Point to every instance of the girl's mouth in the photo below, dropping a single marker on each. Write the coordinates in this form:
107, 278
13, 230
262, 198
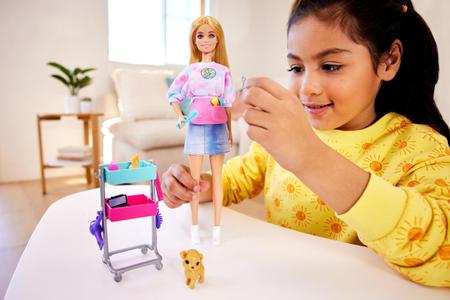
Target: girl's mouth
316, 109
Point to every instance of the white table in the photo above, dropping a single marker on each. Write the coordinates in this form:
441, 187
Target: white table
256, 260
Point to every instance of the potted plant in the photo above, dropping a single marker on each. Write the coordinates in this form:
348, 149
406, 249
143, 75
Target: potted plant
86, 105
75, 80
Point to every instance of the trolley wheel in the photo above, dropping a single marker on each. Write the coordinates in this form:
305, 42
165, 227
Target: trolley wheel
159, 266
117, 277
144, 250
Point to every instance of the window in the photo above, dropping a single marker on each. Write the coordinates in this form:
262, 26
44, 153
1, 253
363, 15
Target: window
151, 32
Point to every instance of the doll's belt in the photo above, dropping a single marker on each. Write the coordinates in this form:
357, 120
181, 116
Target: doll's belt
220, 101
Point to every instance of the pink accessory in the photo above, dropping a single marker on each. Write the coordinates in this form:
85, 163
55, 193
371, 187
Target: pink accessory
207, 112
113, 166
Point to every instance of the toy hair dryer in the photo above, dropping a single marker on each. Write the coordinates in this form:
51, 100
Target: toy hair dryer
96, 229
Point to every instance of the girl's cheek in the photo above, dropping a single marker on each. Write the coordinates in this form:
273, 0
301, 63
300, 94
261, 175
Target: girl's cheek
294, 85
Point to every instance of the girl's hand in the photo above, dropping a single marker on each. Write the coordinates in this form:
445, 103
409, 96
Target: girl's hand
278, 122
179, 186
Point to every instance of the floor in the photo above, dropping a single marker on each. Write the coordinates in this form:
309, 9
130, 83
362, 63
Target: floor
22, 205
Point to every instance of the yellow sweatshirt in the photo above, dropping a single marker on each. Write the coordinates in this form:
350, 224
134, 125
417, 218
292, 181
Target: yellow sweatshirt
403, 213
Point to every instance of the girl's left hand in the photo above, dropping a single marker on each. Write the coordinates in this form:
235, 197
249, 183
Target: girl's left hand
278, 122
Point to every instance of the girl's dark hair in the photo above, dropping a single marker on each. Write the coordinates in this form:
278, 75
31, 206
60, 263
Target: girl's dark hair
376, 24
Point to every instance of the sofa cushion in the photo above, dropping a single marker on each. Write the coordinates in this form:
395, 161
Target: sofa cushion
149, 134
153, 134
142, 94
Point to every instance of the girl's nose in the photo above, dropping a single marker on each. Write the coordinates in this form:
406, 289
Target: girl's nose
309, 85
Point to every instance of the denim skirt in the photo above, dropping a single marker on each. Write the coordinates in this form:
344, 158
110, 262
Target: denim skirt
207, 139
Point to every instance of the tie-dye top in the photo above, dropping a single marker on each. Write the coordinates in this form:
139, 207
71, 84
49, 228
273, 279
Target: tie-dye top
403, 214
203, 79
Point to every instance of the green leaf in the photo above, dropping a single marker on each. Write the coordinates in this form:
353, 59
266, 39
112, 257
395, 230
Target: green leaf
62, 79
84, 82
62, 69
77, 71
87, 70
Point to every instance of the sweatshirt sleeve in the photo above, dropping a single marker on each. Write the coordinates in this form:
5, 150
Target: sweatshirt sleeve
409, 224
243, 176
228, 95
178, 89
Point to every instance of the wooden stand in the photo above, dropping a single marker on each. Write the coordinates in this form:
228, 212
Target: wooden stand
90, 125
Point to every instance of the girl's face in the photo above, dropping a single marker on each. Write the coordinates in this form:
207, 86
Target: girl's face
205, 39
332, 76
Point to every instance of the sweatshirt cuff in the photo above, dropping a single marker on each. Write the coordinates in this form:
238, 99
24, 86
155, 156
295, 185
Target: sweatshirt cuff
377, 211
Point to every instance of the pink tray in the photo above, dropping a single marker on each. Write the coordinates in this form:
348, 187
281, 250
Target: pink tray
138, 206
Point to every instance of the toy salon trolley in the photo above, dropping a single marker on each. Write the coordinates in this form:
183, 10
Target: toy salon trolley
138, 206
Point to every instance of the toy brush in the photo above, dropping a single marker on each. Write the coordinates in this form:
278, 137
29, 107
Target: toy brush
192, 115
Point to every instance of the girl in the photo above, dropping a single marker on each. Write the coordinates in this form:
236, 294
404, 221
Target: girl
207, 88
356, 149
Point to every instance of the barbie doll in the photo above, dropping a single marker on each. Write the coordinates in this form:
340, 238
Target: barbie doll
205, 86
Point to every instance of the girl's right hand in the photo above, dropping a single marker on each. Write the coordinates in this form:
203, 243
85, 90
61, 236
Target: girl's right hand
179, 186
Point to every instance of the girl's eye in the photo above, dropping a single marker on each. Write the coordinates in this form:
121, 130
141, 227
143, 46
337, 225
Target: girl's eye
331, 67
200, 36
211, 36
296, 69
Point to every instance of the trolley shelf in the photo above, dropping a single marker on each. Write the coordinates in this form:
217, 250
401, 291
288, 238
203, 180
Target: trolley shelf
146, 171
138, 206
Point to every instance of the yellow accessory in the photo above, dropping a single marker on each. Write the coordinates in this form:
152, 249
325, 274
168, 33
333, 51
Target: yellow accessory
134, 162
215, 101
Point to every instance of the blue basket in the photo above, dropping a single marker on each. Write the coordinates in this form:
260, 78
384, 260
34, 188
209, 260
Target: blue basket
146, 171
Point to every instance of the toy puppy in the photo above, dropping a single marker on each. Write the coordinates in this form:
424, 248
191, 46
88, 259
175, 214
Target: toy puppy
193, 267
134, 162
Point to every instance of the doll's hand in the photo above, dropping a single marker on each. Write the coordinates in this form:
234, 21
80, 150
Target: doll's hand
278, 122
181, 121
179, 186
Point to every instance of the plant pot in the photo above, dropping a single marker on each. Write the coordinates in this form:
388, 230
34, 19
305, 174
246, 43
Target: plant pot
86, 107
71, 104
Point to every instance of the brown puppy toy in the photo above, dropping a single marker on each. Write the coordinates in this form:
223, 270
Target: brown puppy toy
193, 267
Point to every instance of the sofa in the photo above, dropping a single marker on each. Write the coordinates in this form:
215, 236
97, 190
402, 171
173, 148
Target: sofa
146, 125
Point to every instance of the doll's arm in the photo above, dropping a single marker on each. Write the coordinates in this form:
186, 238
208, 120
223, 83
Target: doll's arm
230, 132
177, 109
178, 90
228, 93
177, 93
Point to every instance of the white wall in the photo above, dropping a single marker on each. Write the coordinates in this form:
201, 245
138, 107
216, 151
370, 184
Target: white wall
75, 33
436, 13
31, 34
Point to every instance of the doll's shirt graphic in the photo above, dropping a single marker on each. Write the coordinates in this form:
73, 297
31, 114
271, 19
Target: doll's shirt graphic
203, 80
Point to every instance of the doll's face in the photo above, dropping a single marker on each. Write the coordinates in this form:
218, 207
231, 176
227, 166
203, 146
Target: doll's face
206, 39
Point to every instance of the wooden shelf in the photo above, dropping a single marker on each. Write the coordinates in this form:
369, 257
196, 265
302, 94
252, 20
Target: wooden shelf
90, 131
68, 163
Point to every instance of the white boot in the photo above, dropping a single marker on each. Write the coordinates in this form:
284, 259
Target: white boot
195, 236
216, 235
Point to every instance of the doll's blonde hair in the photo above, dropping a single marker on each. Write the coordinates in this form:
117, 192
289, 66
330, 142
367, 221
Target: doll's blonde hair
220, 54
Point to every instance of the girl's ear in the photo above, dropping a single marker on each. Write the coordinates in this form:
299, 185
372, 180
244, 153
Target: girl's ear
390, 61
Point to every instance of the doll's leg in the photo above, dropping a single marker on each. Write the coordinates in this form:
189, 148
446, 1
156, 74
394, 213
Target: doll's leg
195, 163
216, 162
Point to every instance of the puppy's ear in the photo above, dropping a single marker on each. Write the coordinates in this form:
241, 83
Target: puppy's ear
183, 254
